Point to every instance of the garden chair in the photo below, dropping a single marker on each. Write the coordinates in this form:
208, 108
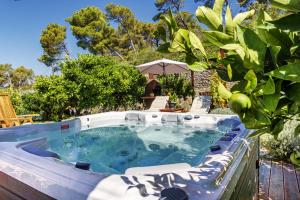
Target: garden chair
160, 102
201, 104
8, 117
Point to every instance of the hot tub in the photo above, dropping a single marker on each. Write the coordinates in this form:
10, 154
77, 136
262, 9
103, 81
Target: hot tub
131, 155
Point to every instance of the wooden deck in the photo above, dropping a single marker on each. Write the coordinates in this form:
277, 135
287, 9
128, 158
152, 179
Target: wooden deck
278, 181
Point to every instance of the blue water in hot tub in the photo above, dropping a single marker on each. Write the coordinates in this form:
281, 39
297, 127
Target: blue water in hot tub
117, 148
113, 149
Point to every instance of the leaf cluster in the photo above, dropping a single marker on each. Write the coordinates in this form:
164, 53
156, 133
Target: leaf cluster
19, 77
176, 84
53, 43
87, 82
263, 59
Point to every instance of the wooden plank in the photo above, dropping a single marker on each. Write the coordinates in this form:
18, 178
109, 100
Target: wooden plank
276, 190
264, 179
20, 189
7, 195
297, 170
291, 190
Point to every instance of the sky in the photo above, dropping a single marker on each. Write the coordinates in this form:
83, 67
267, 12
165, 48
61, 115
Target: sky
22, 21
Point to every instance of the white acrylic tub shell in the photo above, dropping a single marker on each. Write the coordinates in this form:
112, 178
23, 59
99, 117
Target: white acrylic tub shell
63, 181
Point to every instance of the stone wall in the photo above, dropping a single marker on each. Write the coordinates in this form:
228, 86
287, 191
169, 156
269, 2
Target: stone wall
202, 81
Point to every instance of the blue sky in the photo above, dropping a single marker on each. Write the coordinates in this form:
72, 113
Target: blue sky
22, 21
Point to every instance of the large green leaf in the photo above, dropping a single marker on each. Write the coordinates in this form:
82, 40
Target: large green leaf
256, 119
198, 66
290, 5
218, 38
167, 20
235, 47
262, 17
247, 85
272, 37
208, 17
271, 101
262, 118
251, 79
274, 51
269, 87
171, 23
255, 48
223, 92
239, 18
218, 8
181, 42
177, 45
185, 35
289, 72
287, 23
196, 43
229, 26
172, 20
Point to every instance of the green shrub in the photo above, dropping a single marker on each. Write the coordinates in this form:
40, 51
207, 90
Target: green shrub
52, 97
86, 83
104, 82
176, 85
286, 143
16, 99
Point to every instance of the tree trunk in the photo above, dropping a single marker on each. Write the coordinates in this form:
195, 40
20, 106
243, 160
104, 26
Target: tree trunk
130, 38
116, 52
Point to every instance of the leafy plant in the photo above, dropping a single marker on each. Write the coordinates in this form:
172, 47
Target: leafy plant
103, 81
263, 60
53, 43
16, 99
52, 96
217, 100
86, 83
286, 143
20, 77
177, 85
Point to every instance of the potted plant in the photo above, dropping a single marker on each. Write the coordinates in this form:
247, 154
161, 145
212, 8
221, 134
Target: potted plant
172, 100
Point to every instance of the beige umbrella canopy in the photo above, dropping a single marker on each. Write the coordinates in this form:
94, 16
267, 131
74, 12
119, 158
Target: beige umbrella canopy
163, 66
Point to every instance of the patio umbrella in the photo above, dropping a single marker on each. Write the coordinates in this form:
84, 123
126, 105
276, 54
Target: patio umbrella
163, 67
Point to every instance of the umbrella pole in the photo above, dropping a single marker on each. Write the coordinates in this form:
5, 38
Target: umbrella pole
164, 74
